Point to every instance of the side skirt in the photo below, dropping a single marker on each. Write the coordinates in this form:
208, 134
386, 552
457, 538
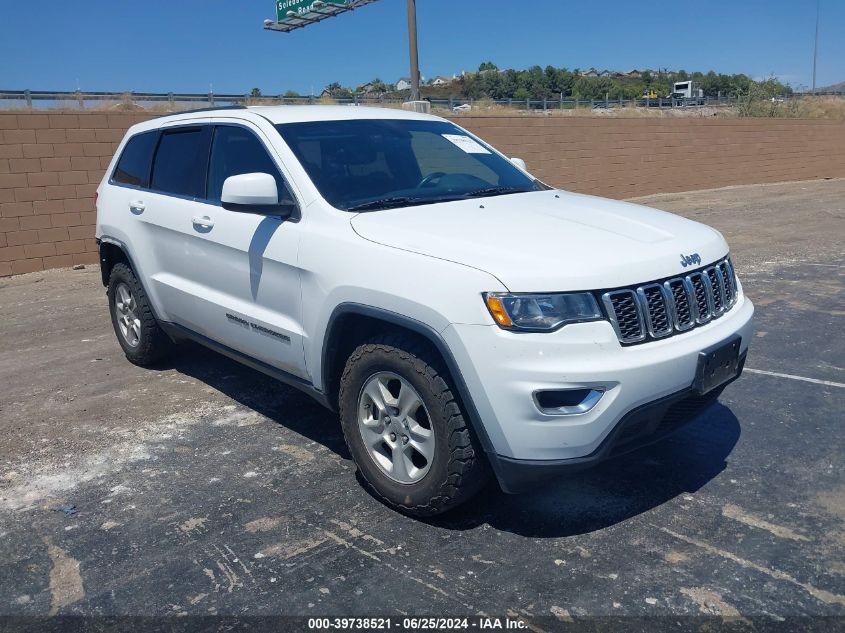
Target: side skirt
178, 332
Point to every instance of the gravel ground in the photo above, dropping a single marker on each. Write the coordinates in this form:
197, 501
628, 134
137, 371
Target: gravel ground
205, 488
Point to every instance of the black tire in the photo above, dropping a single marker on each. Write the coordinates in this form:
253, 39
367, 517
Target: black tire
153, 345
458, 469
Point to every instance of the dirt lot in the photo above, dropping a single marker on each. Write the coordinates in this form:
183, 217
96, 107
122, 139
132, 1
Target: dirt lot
206, 488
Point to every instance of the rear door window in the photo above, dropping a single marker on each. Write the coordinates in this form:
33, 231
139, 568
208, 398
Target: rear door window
133, 168
181, 162
234, 151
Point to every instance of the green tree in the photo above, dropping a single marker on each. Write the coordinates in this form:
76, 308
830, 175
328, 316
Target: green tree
490, 83
565, 79
536, 83
508, 84
255, 93
336, 91
470, 86
710, 84
550, 82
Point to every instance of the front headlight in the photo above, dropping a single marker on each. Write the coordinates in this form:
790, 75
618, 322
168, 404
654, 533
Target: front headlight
541, 312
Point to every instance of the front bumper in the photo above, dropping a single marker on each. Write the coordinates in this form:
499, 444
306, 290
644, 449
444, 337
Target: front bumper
640, 427
502, 370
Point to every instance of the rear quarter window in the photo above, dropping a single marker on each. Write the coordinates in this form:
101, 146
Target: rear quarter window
133, 167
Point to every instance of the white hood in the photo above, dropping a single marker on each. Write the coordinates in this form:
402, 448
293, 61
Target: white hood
548, 240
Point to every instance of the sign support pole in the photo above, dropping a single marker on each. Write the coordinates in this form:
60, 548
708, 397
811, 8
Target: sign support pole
412, 43
816, 46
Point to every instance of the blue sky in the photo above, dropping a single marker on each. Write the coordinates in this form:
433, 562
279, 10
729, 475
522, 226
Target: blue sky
185, 45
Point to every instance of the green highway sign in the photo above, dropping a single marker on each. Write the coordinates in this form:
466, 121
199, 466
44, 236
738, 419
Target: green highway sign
300, 8
296, 14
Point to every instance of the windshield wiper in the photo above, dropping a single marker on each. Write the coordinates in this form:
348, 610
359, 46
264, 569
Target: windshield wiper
382, 203
391, 202
492, 191
400, 201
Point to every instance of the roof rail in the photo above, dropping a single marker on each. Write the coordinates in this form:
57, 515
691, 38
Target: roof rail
231, 107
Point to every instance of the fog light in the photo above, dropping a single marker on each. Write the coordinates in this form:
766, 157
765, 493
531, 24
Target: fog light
567, 401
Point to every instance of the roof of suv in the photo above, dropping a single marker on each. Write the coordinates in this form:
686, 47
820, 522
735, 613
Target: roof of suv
303, 113
295, 114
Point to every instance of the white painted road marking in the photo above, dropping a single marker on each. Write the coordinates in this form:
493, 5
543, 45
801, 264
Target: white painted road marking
825, 265
816, 381
819, 594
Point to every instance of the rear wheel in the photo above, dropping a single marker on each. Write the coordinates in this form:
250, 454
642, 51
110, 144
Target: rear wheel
139, 334
405, 428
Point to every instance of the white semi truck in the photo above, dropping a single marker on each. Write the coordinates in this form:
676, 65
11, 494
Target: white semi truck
686, 93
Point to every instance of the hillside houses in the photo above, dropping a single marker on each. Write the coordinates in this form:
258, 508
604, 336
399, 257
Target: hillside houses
592, 72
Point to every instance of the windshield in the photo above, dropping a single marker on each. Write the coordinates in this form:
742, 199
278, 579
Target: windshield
370, 164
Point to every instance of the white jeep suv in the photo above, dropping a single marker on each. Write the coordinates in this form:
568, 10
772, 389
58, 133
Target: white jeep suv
463, 317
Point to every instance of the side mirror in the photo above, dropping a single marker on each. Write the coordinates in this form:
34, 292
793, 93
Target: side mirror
255, 193
520, 163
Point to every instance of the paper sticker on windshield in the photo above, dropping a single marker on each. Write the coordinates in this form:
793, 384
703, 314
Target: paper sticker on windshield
467, 144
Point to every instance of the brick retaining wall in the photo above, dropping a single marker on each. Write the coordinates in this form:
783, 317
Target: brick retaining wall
50, 165
623, 158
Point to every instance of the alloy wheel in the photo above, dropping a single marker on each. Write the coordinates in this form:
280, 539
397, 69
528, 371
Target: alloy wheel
126, 312
396, 428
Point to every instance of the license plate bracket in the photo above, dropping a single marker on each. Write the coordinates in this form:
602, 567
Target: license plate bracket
717, 365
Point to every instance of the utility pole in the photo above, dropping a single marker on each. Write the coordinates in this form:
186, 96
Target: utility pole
412, 42
816, 47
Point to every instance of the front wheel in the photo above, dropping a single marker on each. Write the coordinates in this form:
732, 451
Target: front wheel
405, 428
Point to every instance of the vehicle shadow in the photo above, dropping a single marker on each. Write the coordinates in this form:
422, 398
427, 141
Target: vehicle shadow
612, 492
281, 403
579, 503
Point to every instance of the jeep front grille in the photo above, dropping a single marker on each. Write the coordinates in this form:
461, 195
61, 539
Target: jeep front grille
626, 315
662, 308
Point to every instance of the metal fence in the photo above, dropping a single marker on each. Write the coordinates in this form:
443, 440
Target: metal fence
155, 101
